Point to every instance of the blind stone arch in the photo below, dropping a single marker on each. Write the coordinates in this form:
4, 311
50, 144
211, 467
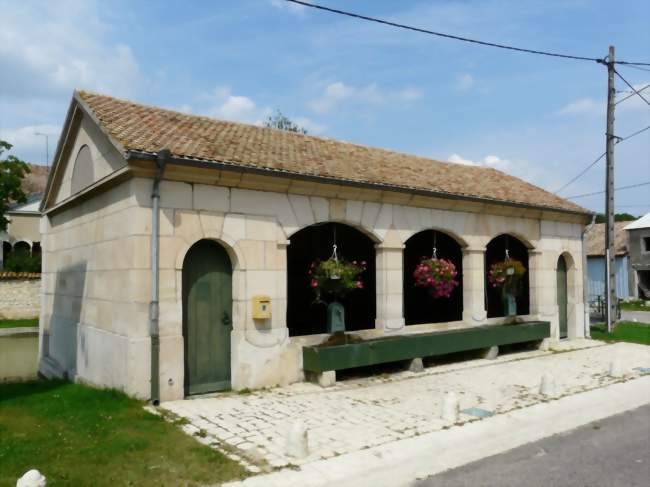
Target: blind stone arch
83, 173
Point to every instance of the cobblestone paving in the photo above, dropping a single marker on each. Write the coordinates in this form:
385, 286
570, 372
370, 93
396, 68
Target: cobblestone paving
362, 413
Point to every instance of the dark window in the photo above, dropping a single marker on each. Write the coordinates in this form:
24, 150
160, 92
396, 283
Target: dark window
646, 244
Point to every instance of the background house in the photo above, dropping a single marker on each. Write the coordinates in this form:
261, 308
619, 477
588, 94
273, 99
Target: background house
638, 244
595, 249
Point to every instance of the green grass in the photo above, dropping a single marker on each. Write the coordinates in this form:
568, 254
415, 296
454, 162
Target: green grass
77, 436
634, 306
625, 331
18, 323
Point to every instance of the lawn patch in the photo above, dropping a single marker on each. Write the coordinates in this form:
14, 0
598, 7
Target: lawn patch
625, 331
77, 435
637, 305
19, 323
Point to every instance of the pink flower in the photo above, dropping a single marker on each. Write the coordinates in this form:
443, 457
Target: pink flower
359, 285
314, 283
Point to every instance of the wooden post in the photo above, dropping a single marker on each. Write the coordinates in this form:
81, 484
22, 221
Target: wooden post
610, 278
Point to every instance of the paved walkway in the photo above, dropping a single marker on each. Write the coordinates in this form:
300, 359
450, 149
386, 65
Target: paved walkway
359, 414
640, 316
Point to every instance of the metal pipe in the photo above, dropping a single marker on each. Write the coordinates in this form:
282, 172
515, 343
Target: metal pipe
585, 279
154, 309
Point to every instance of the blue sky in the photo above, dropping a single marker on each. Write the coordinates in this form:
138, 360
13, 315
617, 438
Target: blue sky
538, 118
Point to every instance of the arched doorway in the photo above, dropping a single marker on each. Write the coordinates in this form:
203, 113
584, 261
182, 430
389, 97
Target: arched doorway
495, 251
419, 305
207, 317
305, 316
562, 296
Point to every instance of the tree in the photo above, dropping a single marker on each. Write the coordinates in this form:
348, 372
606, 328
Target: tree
280, 122
12, 172
618, 217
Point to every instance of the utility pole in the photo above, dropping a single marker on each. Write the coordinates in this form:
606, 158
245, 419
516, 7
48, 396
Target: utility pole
610, 252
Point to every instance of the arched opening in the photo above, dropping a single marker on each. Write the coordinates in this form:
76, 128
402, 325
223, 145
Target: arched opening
305, 316
420, 306
22, 248
6, 250
495, 251
207, 317
562, 296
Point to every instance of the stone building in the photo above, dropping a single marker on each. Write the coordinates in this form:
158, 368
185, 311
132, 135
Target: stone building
243, 210
638, 241
23, 231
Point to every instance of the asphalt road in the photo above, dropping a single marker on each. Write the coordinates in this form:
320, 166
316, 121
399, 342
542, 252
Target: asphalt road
614, 452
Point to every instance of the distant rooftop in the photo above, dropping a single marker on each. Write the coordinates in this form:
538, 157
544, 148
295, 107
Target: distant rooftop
643, 222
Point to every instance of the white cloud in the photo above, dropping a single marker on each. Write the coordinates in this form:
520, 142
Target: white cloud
583, 106
54, 47
32, 146
312, 127
294, 8
488, 161
338, 92
464, 82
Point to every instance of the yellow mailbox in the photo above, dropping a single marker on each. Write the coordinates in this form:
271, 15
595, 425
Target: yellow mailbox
261, 307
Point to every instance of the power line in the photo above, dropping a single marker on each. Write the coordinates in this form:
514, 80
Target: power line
647, 183
637, 67
600, 157
633, 93
455, 37
631, 87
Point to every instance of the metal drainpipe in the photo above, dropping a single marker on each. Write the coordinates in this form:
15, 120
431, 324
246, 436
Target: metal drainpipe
154, 310
585, 280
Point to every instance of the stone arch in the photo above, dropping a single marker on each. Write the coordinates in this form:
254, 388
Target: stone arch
229, 244
304, 315
83, 172
368, 232
574, 293
462, 243
419, 305
518, 236
22, 246
494, 252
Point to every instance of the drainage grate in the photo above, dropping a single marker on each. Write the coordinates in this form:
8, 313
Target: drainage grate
643, 370
478, 412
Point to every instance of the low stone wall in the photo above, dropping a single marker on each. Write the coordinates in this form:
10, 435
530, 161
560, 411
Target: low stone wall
18, 354
20, 296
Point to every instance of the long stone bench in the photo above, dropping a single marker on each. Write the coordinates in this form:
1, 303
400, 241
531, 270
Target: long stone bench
321, 359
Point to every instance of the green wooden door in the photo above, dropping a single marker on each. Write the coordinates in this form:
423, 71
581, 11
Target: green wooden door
207, 317
562, 295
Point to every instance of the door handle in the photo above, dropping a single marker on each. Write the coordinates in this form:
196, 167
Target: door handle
226, 319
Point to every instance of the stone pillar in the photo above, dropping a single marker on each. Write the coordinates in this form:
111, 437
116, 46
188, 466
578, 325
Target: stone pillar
474, 312
390, 278
542, 281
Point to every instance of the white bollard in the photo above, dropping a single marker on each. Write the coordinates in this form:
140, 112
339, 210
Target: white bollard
547, 386
33, 478
615, 368
297, 444
450, 408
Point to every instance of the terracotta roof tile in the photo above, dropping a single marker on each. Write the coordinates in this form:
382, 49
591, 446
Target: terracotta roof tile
595, 239
149, 129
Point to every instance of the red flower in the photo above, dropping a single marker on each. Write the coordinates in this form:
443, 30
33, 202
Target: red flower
314, 283
359, 285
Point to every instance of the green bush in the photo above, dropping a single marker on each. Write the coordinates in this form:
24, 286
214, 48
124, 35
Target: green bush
22, 262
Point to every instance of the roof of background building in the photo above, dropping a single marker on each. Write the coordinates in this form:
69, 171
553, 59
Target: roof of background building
595, 239
141, 128
643, 222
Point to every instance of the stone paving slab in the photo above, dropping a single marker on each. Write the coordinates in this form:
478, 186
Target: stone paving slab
363, 413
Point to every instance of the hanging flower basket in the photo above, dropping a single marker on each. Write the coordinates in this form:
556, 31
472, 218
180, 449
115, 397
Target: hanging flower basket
335, 278
438, 275
506, 274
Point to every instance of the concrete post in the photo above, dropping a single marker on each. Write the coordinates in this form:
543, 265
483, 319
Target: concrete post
390, 279
474, 312
543, 292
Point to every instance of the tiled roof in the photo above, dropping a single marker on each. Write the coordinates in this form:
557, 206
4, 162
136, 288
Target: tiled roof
149, 129
595, 239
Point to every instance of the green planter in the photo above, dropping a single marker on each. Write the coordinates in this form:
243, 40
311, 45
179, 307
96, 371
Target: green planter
404, 347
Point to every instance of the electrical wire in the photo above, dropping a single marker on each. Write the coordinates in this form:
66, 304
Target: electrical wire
633, 93
631, 87
455, 37
618, 141
647, 183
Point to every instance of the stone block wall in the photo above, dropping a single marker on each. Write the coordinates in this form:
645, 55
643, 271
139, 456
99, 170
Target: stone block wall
97, 272
19, 298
